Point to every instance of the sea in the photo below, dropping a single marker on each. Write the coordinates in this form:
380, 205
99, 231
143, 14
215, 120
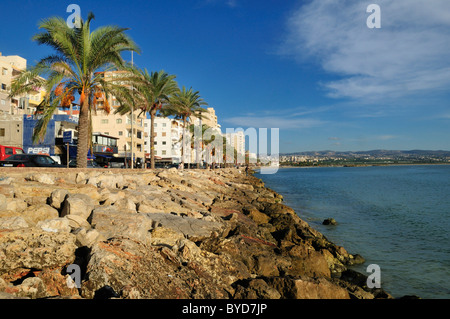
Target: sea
396, 217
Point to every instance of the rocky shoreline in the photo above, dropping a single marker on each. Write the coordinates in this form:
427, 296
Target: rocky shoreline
163, 234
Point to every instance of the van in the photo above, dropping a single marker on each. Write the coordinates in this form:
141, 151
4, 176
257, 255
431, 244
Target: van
7, 151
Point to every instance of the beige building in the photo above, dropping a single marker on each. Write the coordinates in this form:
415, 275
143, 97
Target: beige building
11, 130
11, 67
208, 118
120, 126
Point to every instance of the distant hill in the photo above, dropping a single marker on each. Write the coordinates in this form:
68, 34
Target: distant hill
373, 153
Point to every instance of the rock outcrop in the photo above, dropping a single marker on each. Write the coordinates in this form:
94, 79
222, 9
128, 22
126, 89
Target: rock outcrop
162, 234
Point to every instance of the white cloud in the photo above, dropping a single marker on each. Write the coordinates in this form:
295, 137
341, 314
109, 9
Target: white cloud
409, 55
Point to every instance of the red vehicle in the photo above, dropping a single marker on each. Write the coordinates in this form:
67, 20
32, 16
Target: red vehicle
7, 151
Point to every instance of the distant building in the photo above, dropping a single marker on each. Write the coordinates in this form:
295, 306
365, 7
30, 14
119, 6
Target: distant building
237, 140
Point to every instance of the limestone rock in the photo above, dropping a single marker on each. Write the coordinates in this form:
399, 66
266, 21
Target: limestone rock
88, 237
307, 288
57, 198
37, 213
13, 222
192, 228
55, 225
111, 223
2, 202
16, 205
33, 248
77, 221
77, 204
41, 178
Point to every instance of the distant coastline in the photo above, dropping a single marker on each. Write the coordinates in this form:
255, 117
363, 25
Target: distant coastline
364, 158
293, 165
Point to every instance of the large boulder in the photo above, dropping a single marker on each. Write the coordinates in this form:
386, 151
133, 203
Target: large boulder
111, 223
33, 214
307, 288
41, 178
34, 248
192, 228
13, 222
57, 197
133, 270
77, 204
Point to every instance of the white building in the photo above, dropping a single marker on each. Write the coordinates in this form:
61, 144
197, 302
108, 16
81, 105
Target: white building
237, 140
168, 137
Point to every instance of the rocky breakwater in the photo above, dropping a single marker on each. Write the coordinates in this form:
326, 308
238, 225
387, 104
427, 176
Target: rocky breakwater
162, 234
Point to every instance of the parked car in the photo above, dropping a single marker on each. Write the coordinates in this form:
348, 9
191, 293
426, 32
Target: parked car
29, 160
7, 151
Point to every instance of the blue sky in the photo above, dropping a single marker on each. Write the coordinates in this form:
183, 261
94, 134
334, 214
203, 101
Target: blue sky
311, 68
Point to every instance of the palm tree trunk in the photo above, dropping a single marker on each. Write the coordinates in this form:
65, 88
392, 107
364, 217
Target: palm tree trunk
83, 135
183, 146
152, 138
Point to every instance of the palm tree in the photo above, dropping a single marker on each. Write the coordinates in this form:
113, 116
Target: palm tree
183, 104
151, 94
76, 67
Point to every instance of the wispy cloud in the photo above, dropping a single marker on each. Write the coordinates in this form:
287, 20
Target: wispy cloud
407, 56
281, 122
228, 3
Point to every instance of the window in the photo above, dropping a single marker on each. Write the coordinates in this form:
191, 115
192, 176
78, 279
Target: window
155, 143
106, 133
164, 134
120, 133
9, 151
164, 124
119, 121
105, 121
4, 71
156, 125
164, 143
19, 151
2, 132
3, 102
164, 152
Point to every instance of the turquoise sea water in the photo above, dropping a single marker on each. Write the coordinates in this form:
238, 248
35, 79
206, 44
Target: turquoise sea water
395, 216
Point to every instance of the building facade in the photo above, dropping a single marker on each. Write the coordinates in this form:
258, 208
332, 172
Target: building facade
168, 139
11, 67
130, 133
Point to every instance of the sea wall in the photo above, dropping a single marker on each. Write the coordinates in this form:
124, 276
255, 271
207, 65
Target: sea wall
190, 234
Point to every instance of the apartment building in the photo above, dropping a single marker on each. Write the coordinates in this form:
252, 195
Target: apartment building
208, 118
129, 130
237, 140
168, 138
120, 126
11, 67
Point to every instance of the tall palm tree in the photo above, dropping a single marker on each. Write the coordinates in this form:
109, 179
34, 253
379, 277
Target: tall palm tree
183, 104
152, 92
76, 67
